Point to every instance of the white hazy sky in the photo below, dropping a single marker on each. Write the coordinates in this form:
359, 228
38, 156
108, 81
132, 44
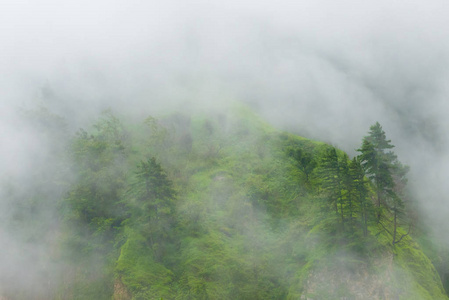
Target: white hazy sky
326, 69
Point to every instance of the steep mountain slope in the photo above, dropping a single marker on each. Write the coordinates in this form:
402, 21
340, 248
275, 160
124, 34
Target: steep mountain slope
219, 206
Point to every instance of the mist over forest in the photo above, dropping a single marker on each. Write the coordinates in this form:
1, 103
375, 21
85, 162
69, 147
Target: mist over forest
322, 70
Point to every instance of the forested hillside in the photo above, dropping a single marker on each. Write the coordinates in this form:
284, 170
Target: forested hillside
221, 206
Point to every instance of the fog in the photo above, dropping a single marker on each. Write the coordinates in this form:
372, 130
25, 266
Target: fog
321, 69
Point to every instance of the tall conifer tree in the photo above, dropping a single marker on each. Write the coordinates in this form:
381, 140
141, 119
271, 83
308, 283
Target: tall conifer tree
360, 193
377, 161
331, 180
155, 196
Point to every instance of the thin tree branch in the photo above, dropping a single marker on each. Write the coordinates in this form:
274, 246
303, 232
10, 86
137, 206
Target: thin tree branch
404, 235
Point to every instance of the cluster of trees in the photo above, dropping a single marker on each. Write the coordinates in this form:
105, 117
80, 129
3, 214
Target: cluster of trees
389, 178
346, 189
349, 185
129, 211
185, 208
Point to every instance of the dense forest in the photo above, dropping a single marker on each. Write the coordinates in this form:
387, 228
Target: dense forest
217, 206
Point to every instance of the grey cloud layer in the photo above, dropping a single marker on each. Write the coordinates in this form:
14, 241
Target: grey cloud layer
323, 69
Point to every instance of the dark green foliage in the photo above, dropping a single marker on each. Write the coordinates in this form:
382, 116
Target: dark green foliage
100, 168
377, 163
304, 160
94, 210
228, 208
348, 193
360, 193
153, 212
389, 177
396, 204
330, 175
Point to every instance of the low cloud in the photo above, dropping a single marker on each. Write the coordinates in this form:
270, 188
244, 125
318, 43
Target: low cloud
324, 70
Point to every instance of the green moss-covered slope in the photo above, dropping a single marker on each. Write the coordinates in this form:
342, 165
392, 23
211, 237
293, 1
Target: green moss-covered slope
232, 216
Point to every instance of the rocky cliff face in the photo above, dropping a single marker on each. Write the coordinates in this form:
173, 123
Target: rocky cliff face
342, 282
120, 291
386, 277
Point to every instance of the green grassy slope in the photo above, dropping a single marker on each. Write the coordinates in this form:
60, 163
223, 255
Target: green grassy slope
246, 222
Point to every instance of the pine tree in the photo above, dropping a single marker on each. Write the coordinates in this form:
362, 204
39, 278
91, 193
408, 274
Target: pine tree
348, 196
331, 180
304, 160
99, 163
397, 205
378, 162
360, 193
154, 196
389, 177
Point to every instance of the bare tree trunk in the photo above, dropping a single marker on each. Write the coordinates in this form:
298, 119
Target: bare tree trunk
394, 225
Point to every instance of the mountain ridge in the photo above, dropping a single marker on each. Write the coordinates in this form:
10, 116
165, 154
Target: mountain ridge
217, 206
